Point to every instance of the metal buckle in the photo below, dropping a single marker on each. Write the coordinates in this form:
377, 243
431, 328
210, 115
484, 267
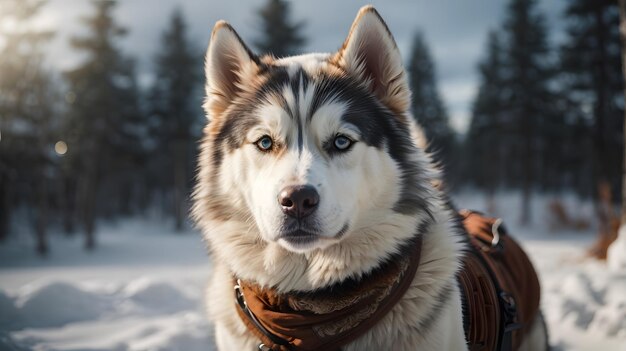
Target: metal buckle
495, 230
510, 311
239, 295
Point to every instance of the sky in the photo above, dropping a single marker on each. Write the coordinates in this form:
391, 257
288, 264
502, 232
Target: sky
455, 30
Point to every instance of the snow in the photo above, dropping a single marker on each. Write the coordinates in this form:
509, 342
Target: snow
616, 255
69, 304
142, 289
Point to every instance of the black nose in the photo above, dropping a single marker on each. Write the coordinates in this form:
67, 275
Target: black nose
298, 201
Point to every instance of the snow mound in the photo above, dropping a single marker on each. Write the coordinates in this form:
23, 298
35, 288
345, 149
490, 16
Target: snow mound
8, 344
59, 303
610, 318
183, 342
157, 296
8, 311
579, 287
188, 333
593, 300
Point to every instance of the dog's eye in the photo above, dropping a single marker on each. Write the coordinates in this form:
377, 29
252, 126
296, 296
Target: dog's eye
265, 143
342, 143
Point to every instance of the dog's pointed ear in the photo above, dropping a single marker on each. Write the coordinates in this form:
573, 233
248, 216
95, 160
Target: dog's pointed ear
228, 64
370, 53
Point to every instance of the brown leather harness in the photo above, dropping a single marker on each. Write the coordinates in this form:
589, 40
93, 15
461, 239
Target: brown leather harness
500, 286
496, 275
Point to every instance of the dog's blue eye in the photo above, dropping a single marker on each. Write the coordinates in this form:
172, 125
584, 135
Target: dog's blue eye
265, 143
342, 143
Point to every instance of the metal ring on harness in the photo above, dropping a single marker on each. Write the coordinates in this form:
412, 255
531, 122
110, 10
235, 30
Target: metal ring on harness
495, 230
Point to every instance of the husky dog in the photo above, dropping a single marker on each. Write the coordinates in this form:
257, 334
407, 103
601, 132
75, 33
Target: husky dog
312, 171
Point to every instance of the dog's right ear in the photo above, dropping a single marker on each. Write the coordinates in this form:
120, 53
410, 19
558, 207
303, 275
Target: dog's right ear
228, 63
370, 53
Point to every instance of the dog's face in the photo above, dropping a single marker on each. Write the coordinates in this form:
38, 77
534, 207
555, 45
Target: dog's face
308, 150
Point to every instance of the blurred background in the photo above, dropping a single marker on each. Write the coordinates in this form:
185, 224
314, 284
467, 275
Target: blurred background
100, 101
100, 117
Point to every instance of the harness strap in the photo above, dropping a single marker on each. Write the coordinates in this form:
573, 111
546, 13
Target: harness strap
241, 302
330, 318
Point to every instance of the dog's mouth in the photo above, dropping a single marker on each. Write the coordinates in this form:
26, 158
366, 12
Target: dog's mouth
302, 238
299, 237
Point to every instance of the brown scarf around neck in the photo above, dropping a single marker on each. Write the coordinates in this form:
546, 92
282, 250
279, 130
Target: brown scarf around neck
329, 318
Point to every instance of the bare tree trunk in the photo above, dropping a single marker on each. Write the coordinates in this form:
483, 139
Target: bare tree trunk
600, 169
527, 163
89, 204
608, 223
42, 217
89, 191
525, 215
180, 182
622, 15
126, 198
5, 207
68, 199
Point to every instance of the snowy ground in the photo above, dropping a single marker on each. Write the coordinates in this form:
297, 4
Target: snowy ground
141, 289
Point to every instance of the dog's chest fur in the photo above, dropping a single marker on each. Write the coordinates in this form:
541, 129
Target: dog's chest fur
428, 314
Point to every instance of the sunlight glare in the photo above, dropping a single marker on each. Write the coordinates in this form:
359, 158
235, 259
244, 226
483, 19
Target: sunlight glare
60, 148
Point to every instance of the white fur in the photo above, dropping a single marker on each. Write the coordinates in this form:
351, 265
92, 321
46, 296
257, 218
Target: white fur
360, 189
308, 62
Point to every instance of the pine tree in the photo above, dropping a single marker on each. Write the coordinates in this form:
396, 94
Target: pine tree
27, 117
104, 125
487, 142
279, 37
571, 149
622, 15
176, 110
590, 61
428, 108
530, 99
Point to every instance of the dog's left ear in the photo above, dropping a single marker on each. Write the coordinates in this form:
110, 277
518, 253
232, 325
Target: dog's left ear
370, 53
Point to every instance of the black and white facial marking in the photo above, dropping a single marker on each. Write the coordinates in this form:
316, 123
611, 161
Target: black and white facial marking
325, 133
311, 146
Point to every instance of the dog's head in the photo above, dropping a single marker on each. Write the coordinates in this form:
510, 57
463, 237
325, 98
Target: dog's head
309, 150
